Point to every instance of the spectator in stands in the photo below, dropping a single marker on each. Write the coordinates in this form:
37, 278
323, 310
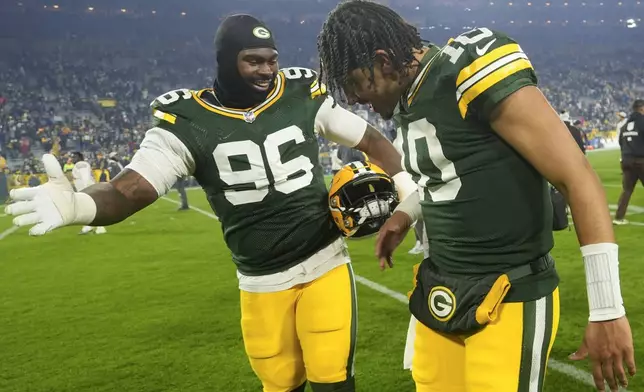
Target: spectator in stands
631, 142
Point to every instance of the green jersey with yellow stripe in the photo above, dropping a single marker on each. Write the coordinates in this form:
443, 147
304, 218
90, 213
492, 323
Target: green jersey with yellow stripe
486, 209
259, 168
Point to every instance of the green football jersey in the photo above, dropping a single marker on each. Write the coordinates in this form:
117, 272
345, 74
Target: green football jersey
486, 209
260, 169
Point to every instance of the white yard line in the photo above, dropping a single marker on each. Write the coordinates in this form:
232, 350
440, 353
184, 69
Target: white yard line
561, 367
199, 210
8, 232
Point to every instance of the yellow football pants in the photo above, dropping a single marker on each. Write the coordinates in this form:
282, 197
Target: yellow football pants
508, 355
307, 332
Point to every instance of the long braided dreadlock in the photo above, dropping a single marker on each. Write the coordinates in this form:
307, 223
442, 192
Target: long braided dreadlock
351, 35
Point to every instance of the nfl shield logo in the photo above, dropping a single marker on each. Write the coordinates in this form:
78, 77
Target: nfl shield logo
249, 117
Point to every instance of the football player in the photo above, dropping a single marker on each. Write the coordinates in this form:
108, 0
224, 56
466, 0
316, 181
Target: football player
83, 178
251, 142
482, 142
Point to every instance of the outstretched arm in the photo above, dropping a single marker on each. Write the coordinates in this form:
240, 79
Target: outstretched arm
120, 198
160, 161
153, 171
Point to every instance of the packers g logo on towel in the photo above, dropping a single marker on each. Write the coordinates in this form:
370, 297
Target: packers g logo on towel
442, 303
261, 32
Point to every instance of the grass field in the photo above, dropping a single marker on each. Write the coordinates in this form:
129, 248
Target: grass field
153, 305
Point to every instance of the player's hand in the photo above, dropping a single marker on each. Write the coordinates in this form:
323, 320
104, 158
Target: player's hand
47, 206
609, 344
390, 236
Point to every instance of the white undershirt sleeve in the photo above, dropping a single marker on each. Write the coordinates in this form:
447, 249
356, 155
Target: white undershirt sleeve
162, 160
339, 125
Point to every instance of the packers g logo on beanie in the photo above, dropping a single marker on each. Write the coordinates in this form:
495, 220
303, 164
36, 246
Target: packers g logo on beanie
261, 32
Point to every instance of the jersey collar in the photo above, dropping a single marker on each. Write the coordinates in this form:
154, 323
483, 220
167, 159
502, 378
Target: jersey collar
425, 63
248, 115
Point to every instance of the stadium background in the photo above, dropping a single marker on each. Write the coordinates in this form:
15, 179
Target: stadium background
91, 313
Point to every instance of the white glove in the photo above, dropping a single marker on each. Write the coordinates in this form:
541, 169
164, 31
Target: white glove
51, 205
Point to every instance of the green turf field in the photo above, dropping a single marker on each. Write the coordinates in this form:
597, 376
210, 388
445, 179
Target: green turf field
153, 305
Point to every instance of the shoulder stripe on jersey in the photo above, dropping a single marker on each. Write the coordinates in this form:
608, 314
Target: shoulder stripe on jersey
490, 76
171, 118
482, 62
273, 97
483, 73
317, 89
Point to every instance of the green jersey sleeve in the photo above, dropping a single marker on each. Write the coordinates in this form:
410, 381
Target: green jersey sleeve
492, 67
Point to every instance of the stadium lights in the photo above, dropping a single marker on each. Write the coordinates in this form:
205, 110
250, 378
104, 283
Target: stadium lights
547, 4
630, 23
565, 4
56, 6
154, 12
123, 10
183, 14
90, 8
529, 4
510, 4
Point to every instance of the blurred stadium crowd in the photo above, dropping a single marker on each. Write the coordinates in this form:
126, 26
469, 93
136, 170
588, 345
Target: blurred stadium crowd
88, 87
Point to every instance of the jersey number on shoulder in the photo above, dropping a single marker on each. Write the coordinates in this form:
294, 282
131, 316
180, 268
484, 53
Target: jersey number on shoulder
469, 38
298, 73
257, 173
421, 133
173, 96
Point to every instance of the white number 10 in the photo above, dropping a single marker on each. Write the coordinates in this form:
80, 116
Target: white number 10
425, 131
257, 173
464, 39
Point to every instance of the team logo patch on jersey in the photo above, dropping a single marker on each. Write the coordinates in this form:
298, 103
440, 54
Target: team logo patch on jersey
261, 32
442, 303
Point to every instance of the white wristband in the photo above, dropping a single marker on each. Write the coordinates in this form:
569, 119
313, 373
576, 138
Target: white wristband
405, 185
84, 209
601, 263
411, 207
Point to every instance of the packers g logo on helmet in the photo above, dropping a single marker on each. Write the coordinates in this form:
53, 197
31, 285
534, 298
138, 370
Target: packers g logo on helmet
362, 197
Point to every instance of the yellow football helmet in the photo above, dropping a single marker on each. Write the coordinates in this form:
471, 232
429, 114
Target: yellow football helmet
362, 197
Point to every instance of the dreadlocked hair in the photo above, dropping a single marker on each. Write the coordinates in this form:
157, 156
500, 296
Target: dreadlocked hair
351, 35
